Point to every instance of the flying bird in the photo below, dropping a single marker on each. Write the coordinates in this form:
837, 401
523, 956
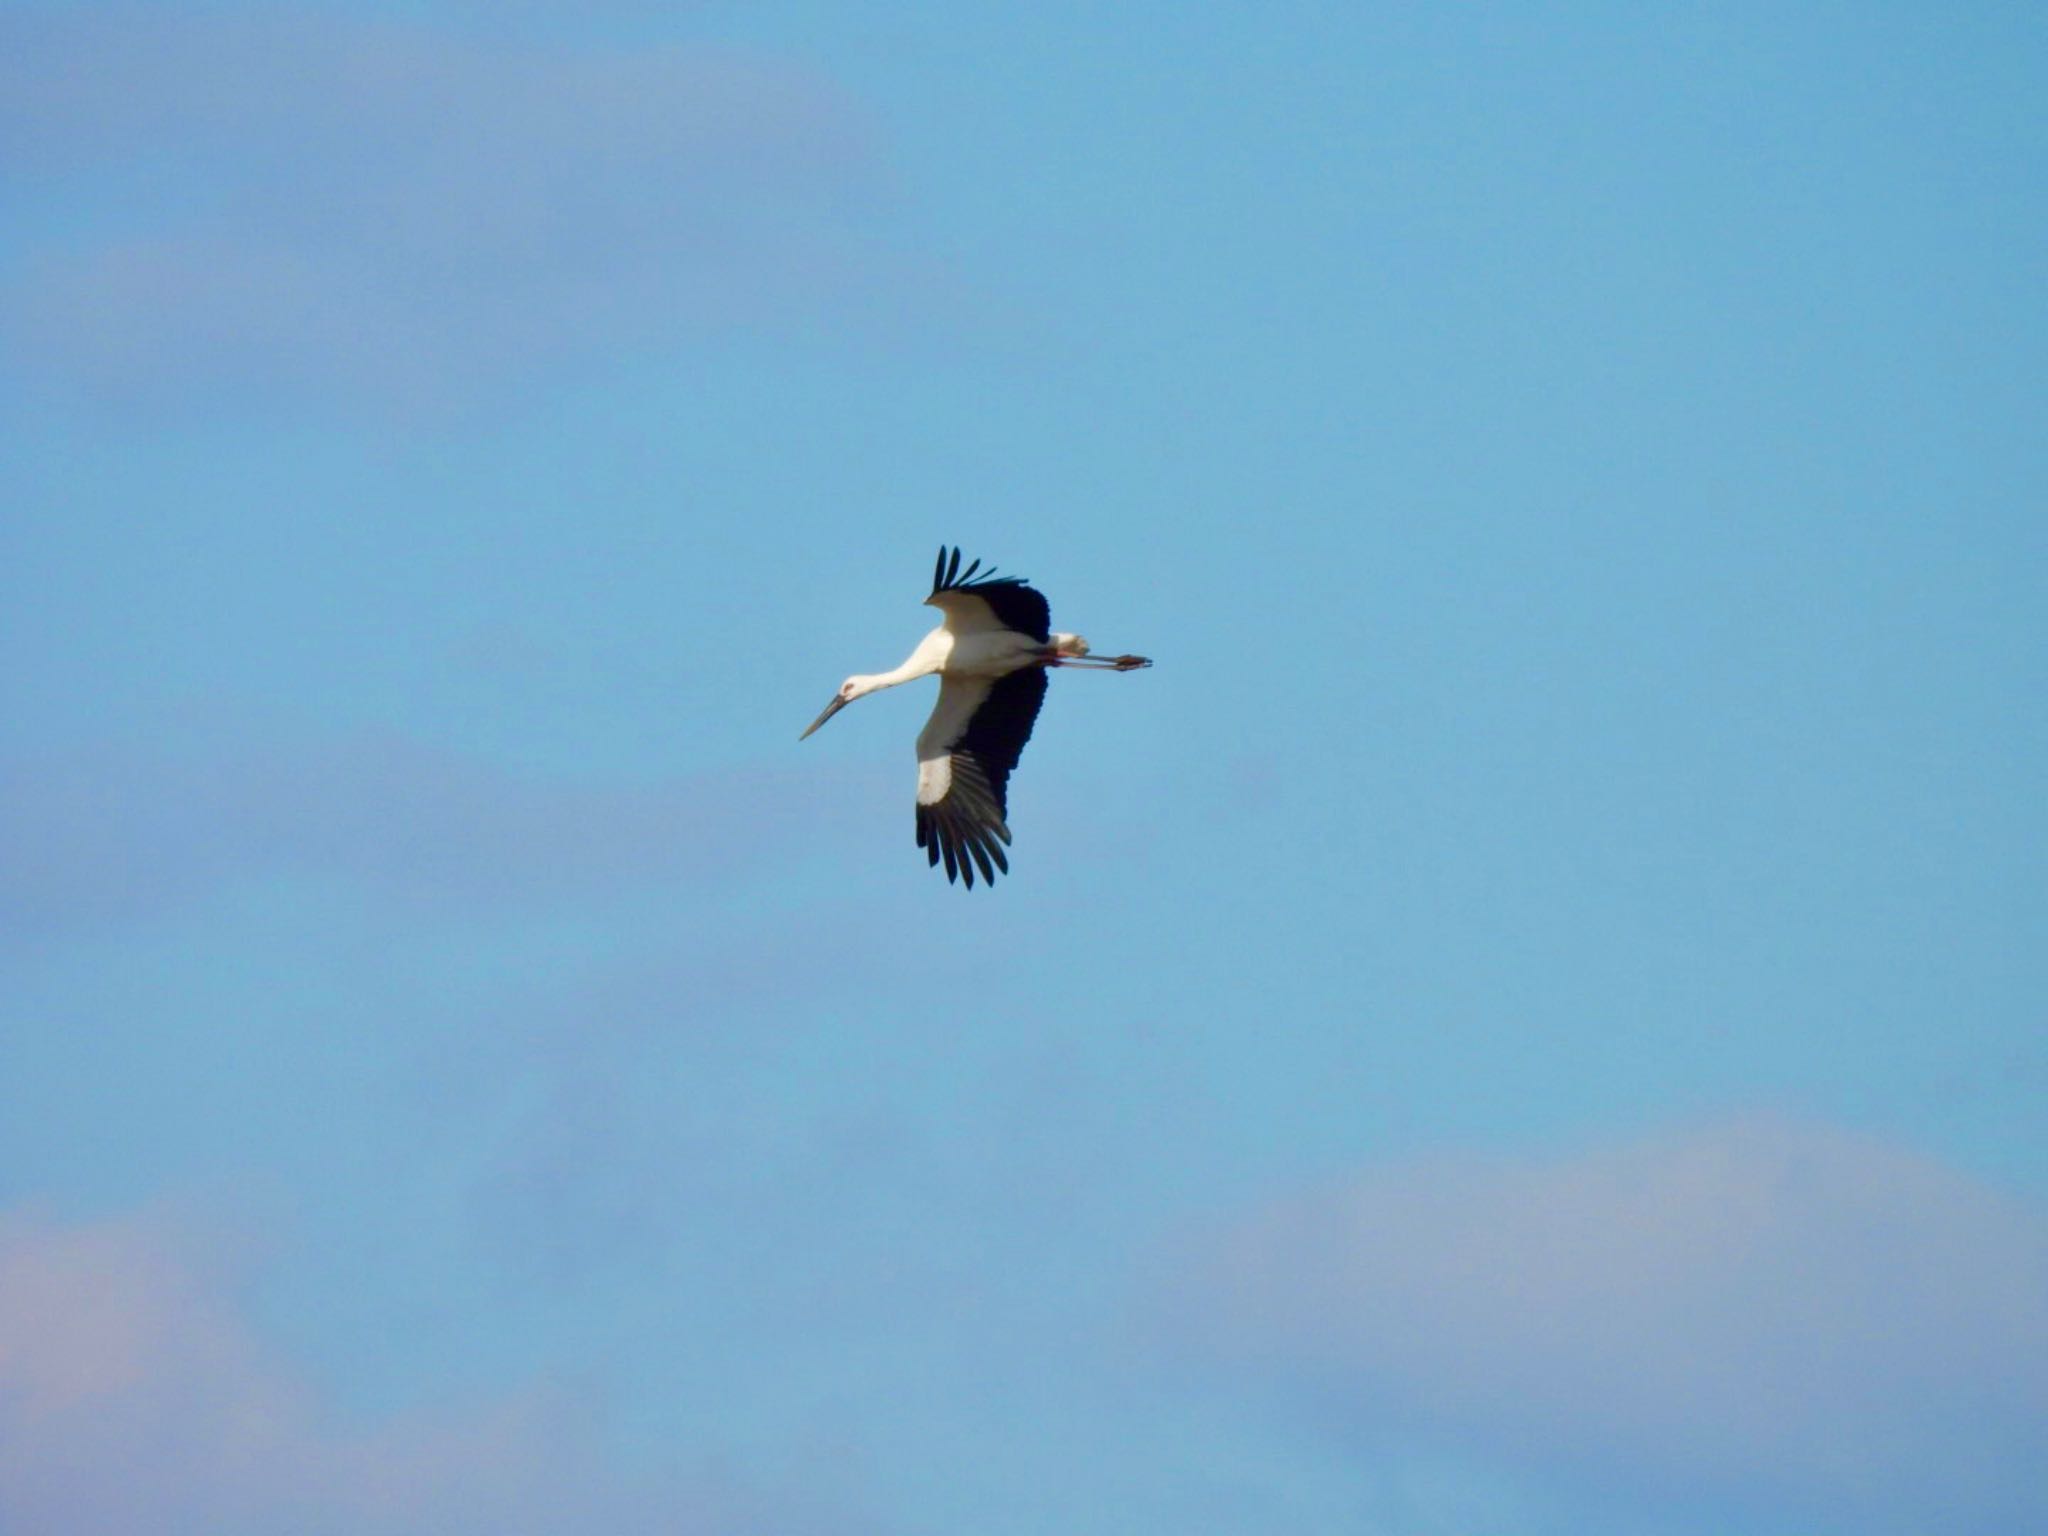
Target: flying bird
992, 651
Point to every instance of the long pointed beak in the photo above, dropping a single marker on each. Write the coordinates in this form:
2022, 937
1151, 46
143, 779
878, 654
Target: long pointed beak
831, 709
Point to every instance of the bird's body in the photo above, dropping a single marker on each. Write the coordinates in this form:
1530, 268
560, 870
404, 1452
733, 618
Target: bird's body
991, 653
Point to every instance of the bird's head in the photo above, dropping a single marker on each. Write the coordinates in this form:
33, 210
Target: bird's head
849, 690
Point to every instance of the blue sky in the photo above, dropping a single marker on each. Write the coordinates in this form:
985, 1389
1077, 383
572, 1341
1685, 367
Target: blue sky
1527, 1020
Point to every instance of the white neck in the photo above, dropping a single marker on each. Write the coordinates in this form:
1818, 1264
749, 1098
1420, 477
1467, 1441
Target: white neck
916, 667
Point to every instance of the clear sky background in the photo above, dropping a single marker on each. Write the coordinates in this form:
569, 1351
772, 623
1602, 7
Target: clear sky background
1528, 1021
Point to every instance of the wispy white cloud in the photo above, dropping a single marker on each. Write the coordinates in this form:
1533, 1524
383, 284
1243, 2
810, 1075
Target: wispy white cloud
297, 201
135, 1397
1757, 1311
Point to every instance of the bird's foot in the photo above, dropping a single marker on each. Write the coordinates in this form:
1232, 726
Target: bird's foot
1130, 663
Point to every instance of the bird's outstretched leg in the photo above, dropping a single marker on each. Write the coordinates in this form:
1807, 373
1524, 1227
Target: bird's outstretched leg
1101, 663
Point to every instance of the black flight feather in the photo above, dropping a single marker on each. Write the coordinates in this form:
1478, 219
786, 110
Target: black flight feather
968, 825
1015, 604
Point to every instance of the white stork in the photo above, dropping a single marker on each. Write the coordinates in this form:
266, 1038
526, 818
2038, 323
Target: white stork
991, 651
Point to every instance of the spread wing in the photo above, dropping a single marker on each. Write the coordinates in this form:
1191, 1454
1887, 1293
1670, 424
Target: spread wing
992, 602
964, 756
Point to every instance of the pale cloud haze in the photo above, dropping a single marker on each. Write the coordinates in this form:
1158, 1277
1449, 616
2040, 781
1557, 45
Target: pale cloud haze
301, 204
89, 837
136, 1396
133, 1398
1754, 1308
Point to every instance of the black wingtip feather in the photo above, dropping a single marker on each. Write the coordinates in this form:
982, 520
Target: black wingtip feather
967, 835
979, 848
1015, 602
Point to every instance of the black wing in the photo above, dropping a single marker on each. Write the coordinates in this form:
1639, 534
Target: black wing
968, 825
1016, 605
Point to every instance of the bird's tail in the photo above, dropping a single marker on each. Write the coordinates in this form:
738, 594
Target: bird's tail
1068, 645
